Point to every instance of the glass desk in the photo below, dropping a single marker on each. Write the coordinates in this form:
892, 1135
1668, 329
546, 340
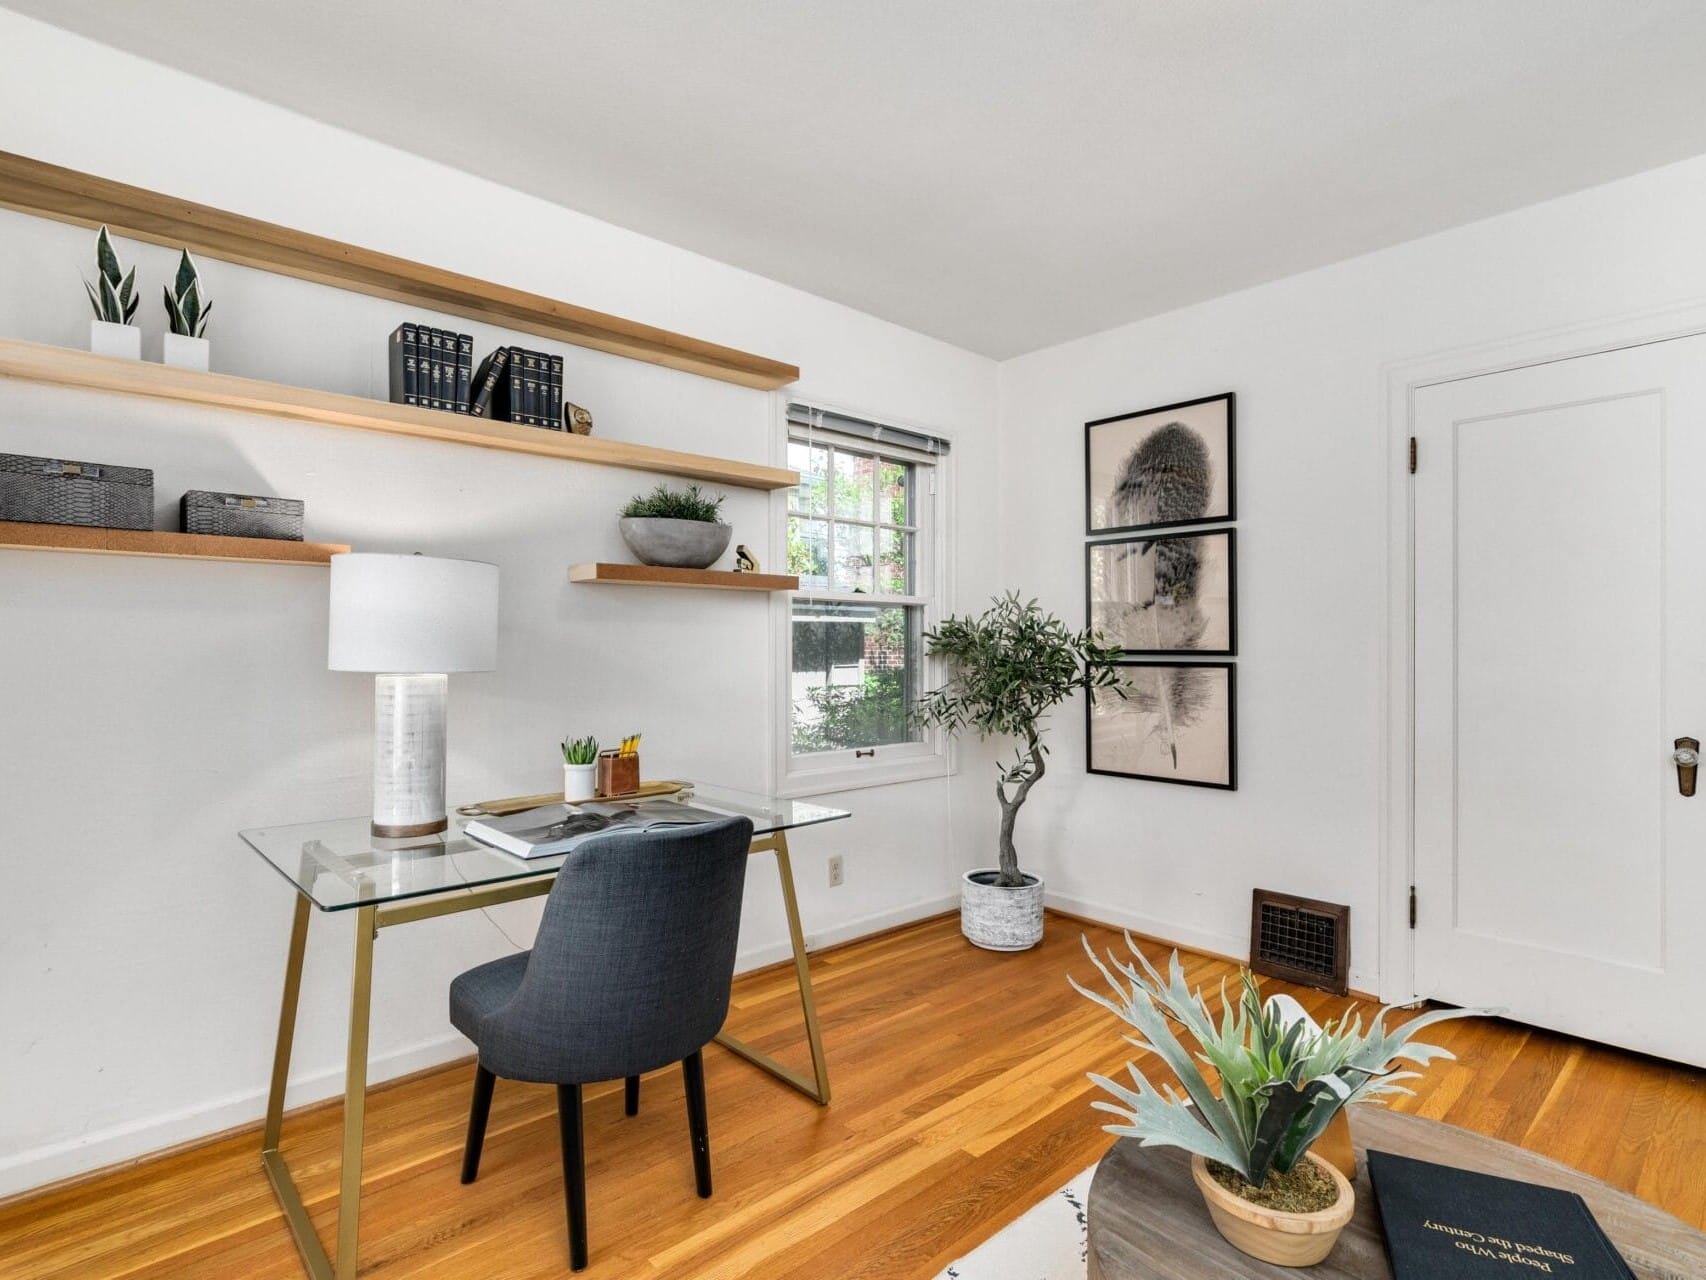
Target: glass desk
339, 866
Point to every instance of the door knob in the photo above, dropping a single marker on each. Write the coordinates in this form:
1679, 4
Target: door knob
1687, 758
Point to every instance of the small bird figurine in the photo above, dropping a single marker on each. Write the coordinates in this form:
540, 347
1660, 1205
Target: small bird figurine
745, 561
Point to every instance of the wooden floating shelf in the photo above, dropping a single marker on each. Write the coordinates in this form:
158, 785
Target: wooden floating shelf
62, 366
136, 542
651, 575
66, 195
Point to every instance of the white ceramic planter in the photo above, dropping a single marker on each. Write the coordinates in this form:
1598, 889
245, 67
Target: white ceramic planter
109, 339
999, 919
578, 781
184, 352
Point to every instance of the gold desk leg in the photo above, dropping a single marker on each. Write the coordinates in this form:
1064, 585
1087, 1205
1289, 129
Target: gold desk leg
314, 1259
816, 1088
355, 1092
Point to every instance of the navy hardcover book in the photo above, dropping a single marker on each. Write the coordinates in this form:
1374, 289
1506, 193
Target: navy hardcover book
1451, 1224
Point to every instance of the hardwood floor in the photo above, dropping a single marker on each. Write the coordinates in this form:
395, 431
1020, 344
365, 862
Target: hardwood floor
959, 1100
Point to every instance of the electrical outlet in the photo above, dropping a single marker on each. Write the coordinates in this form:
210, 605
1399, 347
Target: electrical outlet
837, 870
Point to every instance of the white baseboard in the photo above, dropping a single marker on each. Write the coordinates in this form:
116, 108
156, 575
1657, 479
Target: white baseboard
848, 931
132, 1139
127, 1141
1233, 947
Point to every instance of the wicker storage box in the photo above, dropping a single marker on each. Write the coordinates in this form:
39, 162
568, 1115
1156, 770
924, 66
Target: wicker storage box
55, 491
237, 515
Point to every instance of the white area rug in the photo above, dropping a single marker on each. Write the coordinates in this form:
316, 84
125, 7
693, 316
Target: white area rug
1046, 1244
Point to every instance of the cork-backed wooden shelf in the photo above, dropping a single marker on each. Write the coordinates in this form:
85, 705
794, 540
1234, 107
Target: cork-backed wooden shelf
136, 542
651, 575
63, 366
67, 195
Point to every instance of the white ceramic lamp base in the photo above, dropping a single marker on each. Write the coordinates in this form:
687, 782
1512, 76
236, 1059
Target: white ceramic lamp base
408, 754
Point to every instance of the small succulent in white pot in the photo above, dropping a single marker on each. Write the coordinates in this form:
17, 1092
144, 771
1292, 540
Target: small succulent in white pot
580, 768
187, 309
114, 298
680, 528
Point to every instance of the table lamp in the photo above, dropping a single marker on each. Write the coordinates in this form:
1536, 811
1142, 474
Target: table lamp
411, 620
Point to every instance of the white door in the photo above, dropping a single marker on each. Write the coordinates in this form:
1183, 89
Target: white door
1560, 642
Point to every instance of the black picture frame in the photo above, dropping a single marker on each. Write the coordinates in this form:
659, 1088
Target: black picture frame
1093, 548
1091, 529
1231, 783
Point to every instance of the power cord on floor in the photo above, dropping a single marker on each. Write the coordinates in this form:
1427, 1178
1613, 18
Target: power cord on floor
485, 911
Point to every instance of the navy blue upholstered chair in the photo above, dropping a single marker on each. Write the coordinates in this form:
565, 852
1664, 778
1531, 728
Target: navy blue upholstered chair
629, 972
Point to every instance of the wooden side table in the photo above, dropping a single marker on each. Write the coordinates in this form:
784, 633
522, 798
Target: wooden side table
1146, 1220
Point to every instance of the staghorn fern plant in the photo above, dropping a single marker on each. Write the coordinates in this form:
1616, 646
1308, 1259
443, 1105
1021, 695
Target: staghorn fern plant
1282, 1079
187, 303
114, 297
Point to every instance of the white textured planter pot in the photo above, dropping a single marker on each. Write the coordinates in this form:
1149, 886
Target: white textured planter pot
999, 919
109, 339
578, 781
184, 352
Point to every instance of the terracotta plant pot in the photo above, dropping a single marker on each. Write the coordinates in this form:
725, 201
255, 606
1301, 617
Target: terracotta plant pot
1284, 1239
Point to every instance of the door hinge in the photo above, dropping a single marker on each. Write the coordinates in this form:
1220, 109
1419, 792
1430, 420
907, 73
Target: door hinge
1412, 906
1412, 455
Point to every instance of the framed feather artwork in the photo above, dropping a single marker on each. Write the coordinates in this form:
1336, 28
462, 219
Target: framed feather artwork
1166, 593
1175, 724
1161, 468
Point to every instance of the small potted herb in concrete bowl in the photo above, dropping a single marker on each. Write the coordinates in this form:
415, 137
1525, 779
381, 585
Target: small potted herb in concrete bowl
680, 528
1283, 1080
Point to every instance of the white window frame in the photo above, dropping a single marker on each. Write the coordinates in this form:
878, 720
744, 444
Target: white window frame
932, 755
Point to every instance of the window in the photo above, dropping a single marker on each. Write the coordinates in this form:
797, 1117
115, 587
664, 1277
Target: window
861, 535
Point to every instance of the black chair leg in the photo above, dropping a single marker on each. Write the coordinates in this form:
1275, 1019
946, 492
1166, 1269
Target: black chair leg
478, 1114
698, 1124
631, 1096
574, 1170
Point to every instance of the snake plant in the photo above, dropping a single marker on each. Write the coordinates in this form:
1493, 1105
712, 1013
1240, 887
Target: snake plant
114, 298
1282, 1078
580, 750
187, 304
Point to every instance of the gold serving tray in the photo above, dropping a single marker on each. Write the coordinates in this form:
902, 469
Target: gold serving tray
515, 804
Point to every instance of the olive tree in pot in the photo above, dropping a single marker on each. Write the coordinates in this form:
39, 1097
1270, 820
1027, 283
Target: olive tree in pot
1005, 670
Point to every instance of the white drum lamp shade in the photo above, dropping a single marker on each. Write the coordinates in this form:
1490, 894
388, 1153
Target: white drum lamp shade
412, 621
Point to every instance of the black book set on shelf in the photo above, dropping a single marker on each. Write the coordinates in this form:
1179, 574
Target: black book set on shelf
431, 368
514, 384
434, 369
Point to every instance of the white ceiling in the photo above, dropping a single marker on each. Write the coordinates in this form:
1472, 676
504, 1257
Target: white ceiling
1003, 174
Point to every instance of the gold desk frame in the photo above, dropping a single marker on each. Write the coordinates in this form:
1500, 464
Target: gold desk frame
368, 921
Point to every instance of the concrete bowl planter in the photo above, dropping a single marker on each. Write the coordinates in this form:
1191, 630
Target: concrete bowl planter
678, 544
997, 918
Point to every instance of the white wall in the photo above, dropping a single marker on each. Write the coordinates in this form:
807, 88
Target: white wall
1308, 358
149, 709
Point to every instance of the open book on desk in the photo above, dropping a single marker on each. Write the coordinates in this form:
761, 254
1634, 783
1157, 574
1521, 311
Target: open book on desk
557, 828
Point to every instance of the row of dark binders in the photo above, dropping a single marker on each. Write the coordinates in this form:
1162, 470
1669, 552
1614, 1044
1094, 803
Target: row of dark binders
434, 369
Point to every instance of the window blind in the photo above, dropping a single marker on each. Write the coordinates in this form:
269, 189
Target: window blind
811, 418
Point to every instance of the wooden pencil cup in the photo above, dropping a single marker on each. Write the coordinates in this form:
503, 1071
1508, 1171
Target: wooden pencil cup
617, 774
